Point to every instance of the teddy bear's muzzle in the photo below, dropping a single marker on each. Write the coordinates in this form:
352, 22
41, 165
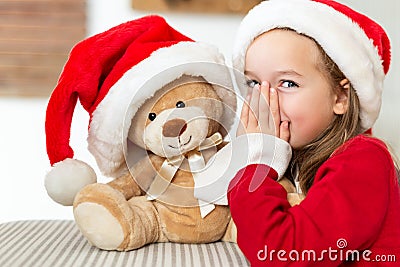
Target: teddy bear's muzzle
174, 128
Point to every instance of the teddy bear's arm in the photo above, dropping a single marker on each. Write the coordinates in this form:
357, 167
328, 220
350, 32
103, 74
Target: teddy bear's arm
126, 185
287, 184
293, 197
139, 178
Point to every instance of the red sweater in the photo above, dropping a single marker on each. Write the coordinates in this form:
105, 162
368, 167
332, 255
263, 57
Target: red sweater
354, 204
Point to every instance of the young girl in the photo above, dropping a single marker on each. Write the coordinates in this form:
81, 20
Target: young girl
315, 70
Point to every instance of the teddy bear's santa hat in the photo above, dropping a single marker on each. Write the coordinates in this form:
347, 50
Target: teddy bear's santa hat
357, 44
112, 74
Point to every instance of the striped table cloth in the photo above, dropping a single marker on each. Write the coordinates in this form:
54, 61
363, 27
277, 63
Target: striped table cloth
59, 243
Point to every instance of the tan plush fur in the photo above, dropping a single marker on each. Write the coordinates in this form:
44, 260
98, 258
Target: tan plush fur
118, 215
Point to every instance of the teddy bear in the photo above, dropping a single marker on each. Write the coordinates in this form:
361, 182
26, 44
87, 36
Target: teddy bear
154, 201
161, 106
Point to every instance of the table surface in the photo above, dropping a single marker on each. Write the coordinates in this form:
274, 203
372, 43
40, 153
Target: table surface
59, 243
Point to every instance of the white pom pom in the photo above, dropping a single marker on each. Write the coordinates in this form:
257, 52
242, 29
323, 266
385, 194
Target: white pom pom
66, 178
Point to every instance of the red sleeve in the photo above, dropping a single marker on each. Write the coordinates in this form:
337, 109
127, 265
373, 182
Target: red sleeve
347, 202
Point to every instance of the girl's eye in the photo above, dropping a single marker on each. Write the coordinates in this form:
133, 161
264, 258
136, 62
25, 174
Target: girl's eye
288, 84
152, 116
252, 83
180, 104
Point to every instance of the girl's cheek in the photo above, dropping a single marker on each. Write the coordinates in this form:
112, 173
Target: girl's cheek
287, 106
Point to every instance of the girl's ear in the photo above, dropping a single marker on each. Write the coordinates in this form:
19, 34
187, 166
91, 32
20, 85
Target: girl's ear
342, 98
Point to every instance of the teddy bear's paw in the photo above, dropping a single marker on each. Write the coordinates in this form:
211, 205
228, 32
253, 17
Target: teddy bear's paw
295, 198
102, 214
231, 233
99, 226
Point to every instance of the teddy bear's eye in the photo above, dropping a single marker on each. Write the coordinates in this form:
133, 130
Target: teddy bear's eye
152, 116
180, 104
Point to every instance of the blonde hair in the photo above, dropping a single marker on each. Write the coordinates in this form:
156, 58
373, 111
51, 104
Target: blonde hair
306, 160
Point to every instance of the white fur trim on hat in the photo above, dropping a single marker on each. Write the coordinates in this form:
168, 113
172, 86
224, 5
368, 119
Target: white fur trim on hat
111, 119
341, 38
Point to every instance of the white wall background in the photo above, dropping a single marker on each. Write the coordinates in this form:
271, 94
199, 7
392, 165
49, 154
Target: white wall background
23, 158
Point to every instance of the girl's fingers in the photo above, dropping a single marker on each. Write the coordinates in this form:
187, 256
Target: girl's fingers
274, 107
265, 93
261, 113
254, 112
284, 132
264, 111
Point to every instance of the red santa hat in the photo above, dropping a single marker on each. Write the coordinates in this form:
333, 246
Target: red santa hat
112, 74
357, 44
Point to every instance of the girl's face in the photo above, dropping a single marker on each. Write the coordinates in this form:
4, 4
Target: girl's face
290, 63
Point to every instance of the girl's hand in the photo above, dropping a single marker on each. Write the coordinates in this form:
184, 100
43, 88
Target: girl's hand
261, 114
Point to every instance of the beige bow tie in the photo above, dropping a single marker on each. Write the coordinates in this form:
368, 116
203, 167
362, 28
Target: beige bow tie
170, 166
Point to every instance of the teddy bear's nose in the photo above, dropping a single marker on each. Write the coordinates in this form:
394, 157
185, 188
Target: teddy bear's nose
174, 128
